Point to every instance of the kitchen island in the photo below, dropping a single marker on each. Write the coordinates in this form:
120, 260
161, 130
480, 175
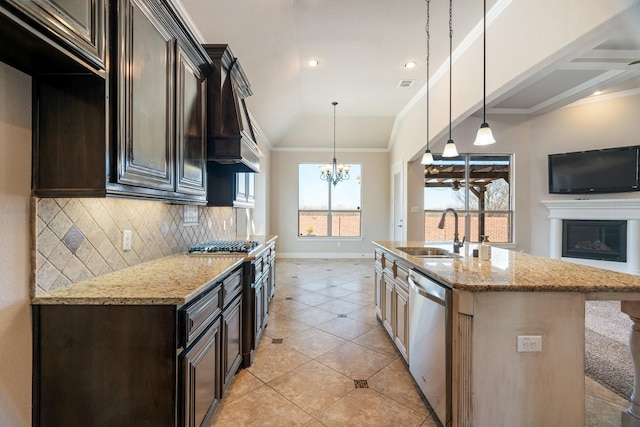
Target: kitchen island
495, 302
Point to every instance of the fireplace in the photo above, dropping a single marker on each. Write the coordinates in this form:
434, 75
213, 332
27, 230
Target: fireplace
624, 210
595, 239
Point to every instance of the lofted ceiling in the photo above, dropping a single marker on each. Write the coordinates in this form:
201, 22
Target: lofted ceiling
361, 46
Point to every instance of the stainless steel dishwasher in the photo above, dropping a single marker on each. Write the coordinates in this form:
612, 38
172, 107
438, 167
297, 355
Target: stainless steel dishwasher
430, 341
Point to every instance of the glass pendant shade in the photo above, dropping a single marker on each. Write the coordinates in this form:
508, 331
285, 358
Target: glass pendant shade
450, 149
427, 158
484, 136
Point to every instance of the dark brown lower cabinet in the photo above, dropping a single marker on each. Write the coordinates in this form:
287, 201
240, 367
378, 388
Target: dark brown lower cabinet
232, 336
103, 365
201, 373
259, 288
137, 365
258, 321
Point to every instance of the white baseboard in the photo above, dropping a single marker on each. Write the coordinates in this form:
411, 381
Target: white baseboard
325, 255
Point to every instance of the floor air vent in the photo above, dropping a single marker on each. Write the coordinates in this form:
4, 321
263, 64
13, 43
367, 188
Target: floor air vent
277, 340
342, 315
361, 383
288, 298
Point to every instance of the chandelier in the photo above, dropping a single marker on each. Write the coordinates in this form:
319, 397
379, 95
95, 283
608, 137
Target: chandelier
334, 172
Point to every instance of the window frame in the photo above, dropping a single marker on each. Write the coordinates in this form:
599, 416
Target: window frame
467, 212
330, 212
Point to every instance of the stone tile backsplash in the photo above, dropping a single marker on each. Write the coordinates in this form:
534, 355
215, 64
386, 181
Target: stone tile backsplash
77, 239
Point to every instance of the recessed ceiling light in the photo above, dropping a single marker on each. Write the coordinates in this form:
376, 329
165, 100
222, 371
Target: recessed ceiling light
313, 63
411, 64
597, 92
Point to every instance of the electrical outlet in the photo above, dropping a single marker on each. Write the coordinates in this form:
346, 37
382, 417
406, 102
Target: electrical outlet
527, 343
127, 236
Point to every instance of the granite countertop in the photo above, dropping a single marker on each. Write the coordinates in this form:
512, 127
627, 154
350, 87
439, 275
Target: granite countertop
514, 271
171, 280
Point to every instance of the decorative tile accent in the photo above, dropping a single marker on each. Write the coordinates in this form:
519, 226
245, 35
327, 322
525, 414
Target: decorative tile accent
73, 239
77, 239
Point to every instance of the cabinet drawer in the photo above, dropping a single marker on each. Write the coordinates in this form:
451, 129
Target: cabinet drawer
257, 268
232, 286
388, 264
378, 259
200, 313
402, 276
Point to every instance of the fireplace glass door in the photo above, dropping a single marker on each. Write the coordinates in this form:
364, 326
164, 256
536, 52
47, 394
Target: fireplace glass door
598, 240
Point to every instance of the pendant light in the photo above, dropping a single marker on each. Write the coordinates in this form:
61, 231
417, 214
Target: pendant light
334, 172
450, 149
427, 157
484, 136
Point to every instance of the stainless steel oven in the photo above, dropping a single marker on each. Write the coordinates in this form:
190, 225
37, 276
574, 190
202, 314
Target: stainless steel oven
430, 341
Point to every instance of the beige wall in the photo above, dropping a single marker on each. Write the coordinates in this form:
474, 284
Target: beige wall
259, 223
593, 125
512, 56
15, 185
514, 52
513, 136
284, 204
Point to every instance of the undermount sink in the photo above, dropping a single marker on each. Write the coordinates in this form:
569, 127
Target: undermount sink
427, 252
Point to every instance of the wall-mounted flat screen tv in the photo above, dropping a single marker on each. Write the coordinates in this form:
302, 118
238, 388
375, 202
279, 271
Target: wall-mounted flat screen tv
611, 170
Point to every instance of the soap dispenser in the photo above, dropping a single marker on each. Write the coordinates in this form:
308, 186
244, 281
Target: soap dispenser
485, 249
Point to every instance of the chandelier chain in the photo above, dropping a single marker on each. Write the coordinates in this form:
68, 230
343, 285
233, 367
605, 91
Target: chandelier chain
334, 103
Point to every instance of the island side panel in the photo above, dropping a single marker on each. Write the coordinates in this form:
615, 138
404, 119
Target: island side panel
528, 388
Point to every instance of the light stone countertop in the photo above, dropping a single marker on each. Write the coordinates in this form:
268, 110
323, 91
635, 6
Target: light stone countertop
171, 280
513, 271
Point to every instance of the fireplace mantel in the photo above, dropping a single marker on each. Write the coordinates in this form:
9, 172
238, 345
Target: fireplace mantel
597, 209
594, 209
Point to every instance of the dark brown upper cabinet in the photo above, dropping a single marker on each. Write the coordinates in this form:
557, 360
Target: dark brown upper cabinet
190, 117
140, 132
54, 35
145, 81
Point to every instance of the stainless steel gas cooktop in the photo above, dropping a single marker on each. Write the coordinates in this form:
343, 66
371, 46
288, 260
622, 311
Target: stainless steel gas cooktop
224, 247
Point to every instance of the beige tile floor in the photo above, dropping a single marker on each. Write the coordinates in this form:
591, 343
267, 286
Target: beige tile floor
308, 379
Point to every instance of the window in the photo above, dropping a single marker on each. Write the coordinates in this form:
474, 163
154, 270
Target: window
479, 188
325, 210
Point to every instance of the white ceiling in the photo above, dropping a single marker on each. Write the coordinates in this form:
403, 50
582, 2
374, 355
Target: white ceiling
362, 46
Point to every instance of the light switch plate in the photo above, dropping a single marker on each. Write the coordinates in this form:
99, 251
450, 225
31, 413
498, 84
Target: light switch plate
127, 237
